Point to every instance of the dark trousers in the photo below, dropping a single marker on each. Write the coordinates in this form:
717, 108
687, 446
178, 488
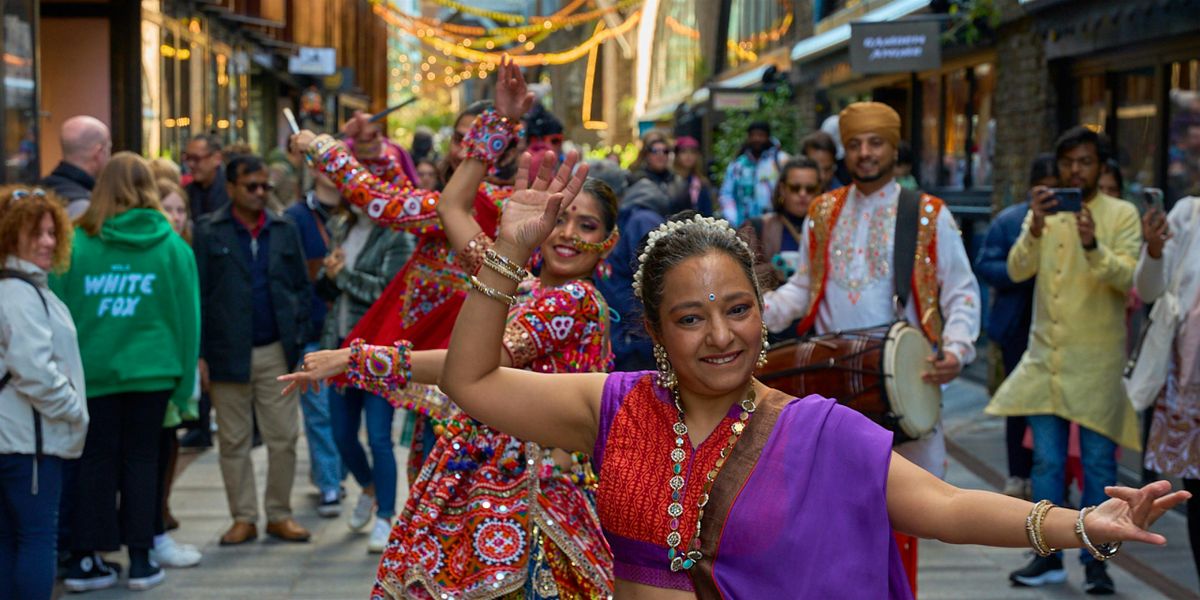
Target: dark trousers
1020, 458
28, 526
119, 457
1193, 515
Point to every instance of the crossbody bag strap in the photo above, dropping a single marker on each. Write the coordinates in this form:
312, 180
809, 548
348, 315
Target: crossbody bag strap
905, 247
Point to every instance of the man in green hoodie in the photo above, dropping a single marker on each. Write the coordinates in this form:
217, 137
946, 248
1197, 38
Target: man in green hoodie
133, 293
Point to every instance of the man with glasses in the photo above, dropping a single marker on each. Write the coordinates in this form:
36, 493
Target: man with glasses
1082, 255
255, 311
203, 159
86, 148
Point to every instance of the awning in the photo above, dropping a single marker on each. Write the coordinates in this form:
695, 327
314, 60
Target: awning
824, 43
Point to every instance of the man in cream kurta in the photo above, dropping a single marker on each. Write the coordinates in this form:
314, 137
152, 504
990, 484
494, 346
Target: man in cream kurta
858, 286
1071, 372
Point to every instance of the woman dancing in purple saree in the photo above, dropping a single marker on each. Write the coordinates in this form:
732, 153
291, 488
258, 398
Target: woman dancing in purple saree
712, 484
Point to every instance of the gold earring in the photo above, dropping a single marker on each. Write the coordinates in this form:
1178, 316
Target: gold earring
666, 373
762, 354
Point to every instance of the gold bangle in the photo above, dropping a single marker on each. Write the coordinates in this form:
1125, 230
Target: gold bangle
491, 263
492, 293
504, 263
1033, 528
1102, 552
320, 145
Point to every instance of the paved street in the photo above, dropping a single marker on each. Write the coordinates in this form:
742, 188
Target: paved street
336, 566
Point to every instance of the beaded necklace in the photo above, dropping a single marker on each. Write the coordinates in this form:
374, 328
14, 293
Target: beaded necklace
682, 560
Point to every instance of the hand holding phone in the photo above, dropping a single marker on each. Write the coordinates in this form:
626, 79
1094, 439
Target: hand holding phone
1152, 199
1067, 200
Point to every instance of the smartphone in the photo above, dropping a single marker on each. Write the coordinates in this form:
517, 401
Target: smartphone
1069, 200
1152, 197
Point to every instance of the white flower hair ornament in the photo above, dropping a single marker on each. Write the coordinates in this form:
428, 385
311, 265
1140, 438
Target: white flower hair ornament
707, 224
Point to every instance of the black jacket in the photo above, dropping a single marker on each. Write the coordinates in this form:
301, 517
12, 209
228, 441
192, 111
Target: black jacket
204, 201
73, 184
225, 293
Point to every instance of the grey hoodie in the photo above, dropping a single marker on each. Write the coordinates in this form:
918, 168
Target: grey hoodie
42, 355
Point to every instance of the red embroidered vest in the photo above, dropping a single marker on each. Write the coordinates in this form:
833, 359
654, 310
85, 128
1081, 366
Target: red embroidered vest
925, 288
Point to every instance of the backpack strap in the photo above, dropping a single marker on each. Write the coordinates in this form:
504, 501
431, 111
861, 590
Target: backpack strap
905, 246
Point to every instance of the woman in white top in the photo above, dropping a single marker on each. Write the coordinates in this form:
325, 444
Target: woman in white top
1171, 257
43, 411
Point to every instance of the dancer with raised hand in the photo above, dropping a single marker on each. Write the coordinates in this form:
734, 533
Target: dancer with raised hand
420, 303
714, 485
497, 514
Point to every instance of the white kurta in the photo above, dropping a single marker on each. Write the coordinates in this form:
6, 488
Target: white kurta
859, 289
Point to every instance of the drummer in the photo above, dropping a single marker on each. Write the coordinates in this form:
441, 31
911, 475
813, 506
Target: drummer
845, 279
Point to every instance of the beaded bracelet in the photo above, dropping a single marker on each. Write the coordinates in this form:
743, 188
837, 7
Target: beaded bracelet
489, 137
1102, 552
504, 265
492, 293
319, 147
380, 370
1033, 528
598, 248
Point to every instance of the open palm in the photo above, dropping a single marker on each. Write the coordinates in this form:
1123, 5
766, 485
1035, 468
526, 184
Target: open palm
531, 213
513, 98
1127, 514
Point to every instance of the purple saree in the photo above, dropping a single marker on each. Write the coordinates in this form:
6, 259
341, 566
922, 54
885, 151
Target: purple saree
798, 511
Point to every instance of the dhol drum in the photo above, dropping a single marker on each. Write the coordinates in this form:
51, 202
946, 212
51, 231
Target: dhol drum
876, 371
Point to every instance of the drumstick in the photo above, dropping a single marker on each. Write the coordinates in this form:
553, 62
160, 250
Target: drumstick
375, 118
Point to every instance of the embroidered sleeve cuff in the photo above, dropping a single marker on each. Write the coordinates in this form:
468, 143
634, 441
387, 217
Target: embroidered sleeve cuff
489, 137
470, 258
380, 370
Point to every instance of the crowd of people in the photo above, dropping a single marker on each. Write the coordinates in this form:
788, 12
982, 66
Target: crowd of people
574, 344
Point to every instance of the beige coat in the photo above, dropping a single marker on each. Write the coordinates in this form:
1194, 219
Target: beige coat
1076, 353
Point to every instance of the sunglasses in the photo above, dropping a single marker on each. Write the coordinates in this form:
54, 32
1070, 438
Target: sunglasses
254, 187
659, 150
796, 189
23, 194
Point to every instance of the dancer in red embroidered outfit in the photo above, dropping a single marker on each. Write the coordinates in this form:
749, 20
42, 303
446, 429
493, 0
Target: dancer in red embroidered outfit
491, 515
422, 300
712, 484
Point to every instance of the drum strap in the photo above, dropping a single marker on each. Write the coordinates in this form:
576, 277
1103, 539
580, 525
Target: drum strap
905, 247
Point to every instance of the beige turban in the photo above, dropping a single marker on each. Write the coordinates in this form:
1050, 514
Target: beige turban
870, 117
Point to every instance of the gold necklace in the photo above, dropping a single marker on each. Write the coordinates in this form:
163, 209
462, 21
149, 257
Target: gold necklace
682, 560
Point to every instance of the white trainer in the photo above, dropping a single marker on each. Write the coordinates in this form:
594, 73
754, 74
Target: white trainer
170, 553
379, 536
361, 515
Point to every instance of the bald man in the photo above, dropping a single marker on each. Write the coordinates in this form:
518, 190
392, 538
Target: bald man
86, 147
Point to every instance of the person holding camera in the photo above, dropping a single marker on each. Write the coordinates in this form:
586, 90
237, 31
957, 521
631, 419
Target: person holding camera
1081, 245
1165, 270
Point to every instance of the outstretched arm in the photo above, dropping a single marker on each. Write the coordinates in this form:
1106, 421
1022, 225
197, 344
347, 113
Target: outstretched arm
559, 411
923, 505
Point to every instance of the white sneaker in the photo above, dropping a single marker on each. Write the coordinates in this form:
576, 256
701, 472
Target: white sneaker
379, 536
361, 515
1016, 487
169, 553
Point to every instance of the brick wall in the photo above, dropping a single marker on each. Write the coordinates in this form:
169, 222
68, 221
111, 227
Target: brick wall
1025, 108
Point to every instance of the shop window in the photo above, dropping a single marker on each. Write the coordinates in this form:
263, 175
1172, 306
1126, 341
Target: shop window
152, 88
756, 26
983, 126
678, 59
20, 94
1093, 102
1137, 133
931, 108
957, 129
1183, 130
826, 8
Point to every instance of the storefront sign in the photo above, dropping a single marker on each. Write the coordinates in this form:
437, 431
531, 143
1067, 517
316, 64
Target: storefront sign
895, 46
734, 100
313, 61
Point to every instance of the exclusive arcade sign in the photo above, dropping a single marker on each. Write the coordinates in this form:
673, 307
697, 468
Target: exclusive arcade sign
895, 46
